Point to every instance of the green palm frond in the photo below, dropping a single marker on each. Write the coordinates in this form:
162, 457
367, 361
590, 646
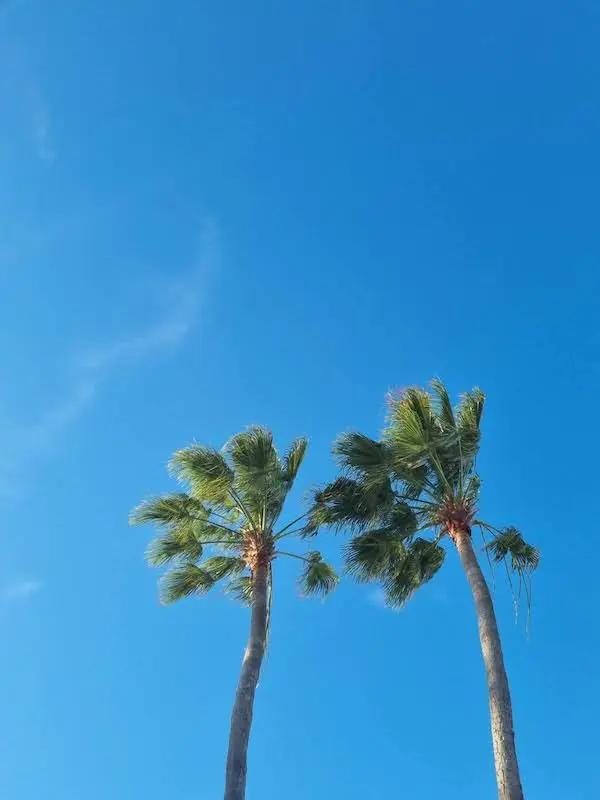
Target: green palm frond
472, 488
294, 458
260, 479
362, 456
374, 555
402, 519
254, 456
206, 472
347, 503
317, 577
183, 582
509, 544
174, 544
412, 428
219, 567
413, 480
433, 447
213, 532
469, 416
241, 589
170, 509
422, 560
186, 524
443, 406
428, 558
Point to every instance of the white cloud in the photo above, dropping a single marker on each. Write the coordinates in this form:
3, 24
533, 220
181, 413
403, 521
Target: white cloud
20, 590
94, 366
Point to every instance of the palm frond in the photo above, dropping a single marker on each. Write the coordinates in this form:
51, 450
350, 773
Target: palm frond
402, 519
443, 405
169, 509
373, 555
294, 458
241, 589
253, 453
362, 456
509, 544
259, 481
469, 416
348, 503
206, 471
183, 582
317, 577
219, 567
472, 489
412, 428
423, 559
175, 544
413, 480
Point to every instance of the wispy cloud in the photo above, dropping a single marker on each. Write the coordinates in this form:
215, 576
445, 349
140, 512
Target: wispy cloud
167, 333
94, 366
20, 590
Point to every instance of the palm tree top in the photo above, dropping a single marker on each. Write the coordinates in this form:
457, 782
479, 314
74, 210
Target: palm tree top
419, 477
231, 505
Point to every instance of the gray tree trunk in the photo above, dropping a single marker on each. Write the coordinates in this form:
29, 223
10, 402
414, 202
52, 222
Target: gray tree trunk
241, 717
503, 737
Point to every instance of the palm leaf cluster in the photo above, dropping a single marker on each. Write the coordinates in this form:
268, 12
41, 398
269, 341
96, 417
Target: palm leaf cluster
224, 522
399, 496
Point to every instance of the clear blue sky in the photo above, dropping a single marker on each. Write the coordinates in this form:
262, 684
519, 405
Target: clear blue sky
218, 214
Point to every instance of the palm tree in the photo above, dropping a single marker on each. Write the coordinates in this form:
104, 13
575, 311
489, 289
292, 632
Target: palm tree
421, 477
231, 506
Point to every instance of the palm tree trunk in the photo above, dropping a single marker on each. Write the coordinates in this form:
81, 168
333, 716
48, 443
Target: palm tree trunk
241, 718
503, 737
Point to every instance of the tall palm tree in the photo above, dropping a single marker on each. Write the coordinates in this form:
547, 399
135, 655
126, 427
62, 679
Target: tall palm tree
421, 477
231, 506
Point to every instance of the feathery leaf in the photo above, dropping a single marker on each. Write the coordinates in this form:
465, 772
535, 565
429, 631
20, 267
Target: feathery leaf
184, 581
219, 567
206, 471
423, 559
173, 545
317, 577
510, 544
374, 554
294, 458
170, 509
241, 589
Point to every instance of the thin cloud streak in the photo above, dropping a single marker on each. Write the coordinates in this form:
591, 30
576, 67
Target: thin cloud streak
94, 367
167, 333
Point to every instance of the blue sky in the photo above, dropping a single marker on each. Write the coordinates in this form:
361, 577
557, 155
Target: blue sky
221, 214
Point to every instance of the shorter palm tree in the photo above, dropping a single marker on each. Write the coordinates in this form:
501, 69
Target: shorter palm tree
231, 506
420, 477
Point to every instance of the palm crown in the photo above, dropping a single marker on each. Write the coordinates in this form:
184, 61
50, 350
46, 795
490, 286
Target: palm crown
419, 477
230, 510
